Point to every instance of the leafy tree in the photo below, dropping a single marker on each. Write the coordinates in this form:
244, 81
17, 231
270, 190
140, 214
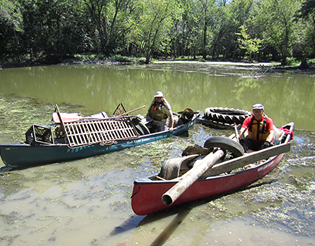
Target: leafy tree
275, 19
10, 27
53, 28
205, 14
221, 33
109, 23
98, 14
247, 43
229, 17
58, 28
307, 9
10, 14
239, 13
307, 13
152, 21
190, 36
124, 23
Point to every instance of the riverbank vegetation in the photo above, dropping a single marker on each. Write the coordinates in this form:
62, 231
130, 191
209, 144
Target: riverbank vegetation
53, 31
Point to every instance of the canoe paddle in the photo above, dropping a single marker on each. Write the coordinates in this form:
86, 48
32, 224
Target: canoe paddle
131, 111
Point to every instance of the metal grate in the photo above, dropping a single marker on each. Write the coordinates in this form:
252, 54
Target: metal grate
103, 131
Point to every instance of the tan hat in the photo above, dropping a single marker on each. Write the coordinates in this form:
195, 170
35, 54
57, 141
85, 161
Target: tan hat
158, 94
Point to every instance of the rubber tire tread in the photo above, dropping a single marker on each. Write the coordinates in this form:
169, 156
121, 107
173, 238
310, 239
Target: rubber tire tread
142, 129
226, 115
226, 144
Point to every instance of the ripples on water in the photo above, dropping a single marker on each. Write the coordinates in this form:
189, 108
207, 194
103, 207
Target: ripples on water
87, 202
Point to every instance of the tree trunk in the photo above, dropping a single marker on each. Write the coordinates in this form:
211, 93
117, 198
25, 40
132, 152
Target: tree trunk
284, 60
304, 63
204, 55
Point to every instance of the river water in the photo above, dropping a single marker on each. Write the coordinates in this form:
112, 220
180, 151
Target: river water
87, 202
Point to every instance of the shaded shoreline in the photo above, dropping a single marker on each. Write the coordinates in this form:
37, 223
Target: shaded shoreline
259, 67
224, 65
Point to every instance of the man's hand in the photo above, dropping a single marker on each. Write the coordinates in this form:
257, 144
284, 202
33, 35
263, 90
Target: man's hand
171, 129
266, 144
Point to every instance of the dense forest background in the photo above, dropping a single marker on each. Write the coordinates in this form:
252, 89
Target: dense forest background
260, 30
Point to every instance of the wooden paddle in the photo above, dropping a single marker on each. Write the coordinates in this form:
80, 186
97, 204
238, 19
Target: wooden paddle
131, 111
236, 132
66, 117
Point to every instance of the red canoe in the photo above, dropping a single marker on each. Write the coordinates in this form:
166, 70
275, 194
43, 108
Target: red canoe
147, 193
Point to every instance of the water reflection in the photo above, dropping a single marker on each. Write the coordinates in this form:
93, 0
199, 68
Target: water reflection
287, 97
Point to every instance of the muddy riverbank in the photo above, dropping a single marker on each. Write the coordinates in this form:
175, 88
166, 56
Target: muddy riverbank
262, 67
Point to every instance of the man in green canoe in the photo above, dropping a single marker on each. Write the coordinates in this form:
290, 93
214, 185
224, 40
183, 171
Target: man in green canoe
160, 115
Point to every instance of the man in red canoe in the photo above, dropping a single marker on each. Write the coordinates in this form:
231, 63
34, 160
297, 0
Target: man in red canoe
260, 130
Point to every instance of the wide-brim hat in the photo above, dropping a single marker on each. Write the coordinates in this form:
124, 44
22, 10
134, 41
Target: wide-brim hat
158, 94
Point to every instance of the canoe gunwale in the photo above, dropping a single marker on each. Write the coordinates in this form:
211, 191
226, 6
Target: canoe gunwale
149, 180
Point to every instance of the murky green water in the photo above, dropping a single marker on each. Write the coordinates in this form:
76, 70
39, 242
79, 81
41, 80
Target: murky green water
87, 202
287, 97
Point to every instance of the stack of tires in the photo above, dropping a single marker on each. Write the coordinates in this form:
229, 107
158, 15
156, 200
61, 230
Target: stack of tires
225, 116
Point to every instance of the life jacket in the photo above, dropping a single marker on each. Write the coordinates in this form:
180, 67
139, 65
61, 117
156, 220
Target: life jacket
156, 113
258, 130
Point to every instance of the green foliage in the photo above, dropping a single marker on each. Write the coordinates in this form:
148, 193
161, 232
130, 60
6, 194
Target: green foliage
127, 59
120, 58
92, 57
275, 21
54, 30
10, 14
293, 61
10, 28
250, 45
307, 10
152, 20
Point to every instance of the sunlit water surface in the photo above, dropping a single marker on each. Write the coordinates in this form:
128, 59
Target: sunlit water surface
87, 202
